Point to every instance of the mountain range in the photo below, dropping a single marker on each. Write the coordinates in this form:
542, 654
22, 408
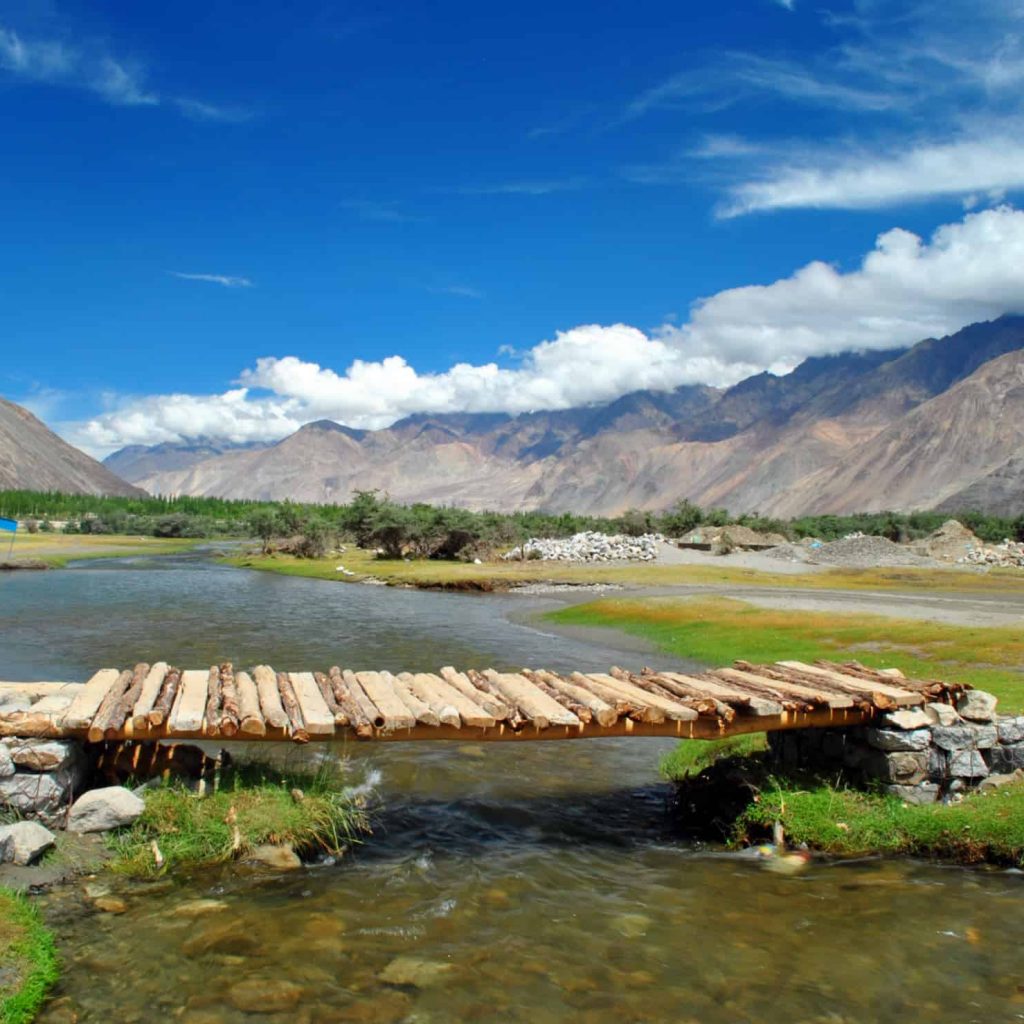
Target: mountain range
938, 425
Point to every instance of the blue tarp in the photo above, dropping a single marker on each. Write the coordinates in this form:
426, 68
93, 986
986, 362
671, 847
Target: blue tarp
10, 525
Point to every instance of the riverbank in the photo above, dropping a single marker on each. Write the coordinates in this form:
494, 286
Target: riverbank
28, 959
56, 550
355, 565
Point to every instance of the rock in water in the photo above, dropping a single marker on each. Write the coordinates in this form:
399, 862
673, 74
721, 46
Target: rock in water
265, 995
280, 858
100, 810
409, 970
24, 841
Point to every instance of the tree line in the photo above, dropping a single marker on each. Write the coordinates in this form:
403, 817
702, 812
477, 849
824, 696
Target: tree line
374, 521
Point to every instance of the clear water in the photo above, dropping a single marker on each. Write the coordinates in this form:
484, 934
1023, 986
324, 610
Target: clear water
522, 882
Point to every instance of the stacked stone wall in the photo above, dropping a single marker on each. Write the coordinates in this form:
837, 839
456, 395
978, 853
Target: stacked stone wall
921, 755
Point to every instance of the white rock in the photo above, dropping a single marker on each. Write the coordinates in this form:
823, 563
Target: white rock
942, 714
22, 842
977, 705
6, 764
100, 810
906, 718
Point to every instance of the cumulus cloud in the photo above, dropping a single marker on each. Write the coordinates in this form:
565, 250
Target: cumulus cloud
906, 288
224, 280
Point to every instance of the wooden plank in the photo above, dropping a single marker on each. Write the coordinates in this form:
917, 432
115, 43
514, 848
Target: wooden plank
808, 693
702, 699
250, 718
901, 697
422, 711
533, 702
315, 712
490, 704
120, 714
87, 701
265, 679
762, 688
672, 709
617, 699
379, 690
437, 695
229, 720
187, 716
580, 710
605, 713
323, 684
729, 694
367, 708
147, 698
472, 712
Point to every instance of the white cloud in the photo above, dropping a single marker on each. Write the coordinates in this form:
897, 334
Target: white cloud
540, 187
869, 180
905, 289
224, 280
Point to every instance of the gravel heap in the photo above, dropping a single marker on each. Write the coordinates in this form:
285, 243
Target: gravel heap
866, 553
1008, 555
589, 547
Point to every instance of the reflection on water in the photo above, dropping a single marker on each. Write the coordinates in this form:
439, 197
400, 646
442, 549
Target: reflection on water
503, 882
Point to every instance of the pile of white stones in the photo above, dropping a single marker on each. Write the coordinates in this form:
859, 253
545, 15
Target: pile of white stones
1008, 555
589, 547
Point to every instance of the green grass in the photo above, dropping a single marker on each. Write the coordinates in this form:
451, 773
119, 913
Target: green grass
193, 830
499, 575
985, 826
28, 959
719, 630
57, 549
691, 757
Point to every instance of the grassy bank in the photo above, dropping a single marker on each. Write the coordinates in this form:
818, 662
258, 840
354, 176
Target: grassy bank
28, 959
719, 630
500, 575
250, 806
57, 549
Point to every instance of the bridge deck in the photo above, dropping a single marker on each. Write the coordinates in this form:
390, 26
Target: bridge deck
161, 702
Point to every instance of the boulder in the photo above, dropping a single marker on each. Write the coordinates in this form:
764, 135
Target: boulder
924, 793
942, 714
897, 739
906, 718
954, 737
905, 767
280, 858
44, 755
996, 781
24, 841
28, 793
1011, 729
1006, 758
985, 736
977, 705
6, 763
966, 764
100, 810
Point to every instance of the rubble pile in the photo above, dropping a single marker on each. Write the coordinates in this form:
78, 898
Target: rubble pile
951, 542
1008, 555
589, 547
866, 553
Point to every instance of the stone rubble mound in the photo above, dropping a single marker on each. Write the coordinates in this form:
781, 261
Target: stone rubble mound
1008, 555
589, 547
866, 553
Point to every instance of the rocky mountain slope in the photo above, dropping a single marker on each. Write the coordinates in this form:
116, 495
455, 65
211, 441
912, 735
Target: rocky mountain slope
896, 429
33, 457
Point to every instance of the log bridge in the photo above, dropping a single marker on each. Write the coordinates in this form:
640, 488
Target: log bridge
159, 702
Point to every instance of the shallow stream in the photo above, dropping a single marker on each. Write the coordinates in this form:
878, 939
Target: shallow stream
503, 882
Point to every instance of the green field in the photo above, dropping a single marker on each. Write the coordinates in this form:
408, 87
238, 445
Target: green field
57, 549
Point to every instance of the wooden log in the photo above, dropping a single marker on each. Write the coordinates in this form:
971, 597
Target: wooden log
187, 714
720, 708
903, 698
265, 679
531, 700
88, 700
213, 701
515, 718
323, 684
580, 710
672, 709
783, 677
728, 693
108, 706
122, 710
229, 717
151, 687
165, 699
250, 720
607, 714
353, 711
815, 696
764, 689
378, 689
316, 715
483, 699
422, 711
449, 702
436, 694
370, 712
32, 725
624, 706
291, 707
703, 705
933, 689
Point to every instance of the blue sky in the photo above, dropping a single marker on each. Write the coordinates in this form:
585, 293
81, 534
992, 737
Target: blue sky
229, 223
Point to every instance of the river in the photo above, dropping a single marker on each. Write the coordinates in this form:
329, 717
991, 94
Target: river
502, 882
